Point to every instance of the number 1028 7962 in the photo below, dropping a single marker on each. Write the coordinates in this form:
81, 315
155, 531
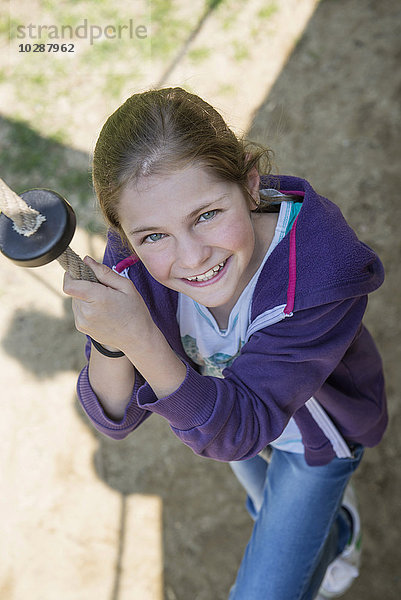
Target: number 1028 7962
46, 48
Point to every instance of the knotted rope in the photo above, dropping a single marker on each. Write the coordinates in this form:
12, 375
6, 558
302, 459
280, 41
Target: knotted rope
26, 221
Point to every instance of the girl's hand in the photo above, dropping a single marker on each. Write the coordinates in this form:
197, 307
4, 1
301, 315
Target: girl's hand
114, 313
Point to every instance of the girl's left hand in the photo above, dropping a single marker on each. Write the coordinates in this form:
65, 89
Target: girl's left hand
114, 313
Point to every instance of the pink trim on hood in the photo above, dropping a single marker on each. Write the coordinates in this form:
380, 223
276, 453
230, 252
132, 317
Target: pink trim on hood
126, 262
292, 271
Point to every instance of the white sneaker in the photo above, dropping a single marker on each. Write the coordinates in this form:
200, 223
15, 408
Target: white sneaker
344, 569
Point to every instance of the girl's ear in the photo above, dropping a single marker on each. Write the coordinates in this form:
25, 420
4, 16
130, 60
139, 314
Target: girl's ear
253, 187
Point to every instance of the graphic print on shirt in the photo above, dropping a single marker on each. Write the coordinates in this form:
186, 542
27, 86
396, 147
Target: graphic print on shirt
211, 365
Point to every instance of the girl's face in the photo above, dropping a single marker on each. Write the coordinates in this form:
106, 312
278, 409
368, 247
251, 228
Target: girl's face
194, 233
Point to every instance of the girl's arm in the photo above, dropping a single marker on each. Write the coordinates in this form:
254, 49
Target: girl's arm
103, 409
112, 380
114, 313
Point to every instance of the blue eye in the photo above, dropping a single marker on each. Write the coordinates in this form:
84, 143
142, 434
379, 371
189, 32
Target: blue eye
153, 237
208, 215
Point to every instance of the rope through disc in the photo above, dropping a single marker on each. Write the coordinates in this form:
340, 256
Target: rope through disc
26, 222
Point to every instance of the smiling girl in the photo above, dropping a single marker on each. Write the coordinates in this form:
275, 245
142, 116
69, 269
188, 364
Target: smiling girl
230, 303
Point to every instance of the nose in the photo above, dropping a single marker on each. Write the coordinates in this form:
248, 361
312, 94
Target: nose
192, 254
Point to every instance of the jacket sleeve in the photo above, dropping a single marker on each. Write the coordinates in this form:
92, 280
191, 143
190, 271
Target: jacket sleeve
277, 371
133, 415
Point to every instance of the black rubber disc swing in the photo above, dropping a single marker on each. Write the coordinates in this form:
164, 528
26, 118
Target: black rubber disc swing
37, 228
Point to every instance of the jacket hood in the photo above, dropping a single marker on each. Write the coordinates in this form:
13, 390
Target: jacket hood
326, 257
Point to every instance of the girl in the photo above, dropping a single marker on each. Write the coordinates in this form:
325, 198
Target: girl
239, 320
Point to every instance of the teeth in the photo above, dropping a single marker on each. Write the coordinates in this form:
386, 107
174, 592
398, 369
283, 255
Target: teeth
209, 274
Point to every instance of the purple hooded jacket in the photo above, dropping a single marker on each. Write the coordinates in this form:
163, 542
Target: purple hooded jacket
319, 276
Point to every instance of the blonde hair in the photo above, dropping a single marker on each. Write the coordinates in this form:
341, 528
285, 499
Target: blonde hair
160, 131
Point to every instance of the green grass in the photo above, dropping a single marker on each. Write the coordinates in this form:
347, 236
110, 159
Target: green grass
167, 30
198, 55
227, 89
241, 50
268, 11
9, 27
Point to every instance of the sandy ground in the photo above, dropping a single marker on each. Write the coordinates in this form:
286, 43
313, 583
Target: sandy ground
84, 517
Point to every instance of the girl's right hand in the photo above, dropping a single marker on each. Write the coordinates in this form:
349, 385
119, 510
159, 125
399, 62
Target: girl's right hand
112, 312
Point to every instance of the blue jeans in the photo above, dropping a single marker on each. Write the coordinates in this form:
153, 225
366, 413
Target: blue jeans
299, 527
